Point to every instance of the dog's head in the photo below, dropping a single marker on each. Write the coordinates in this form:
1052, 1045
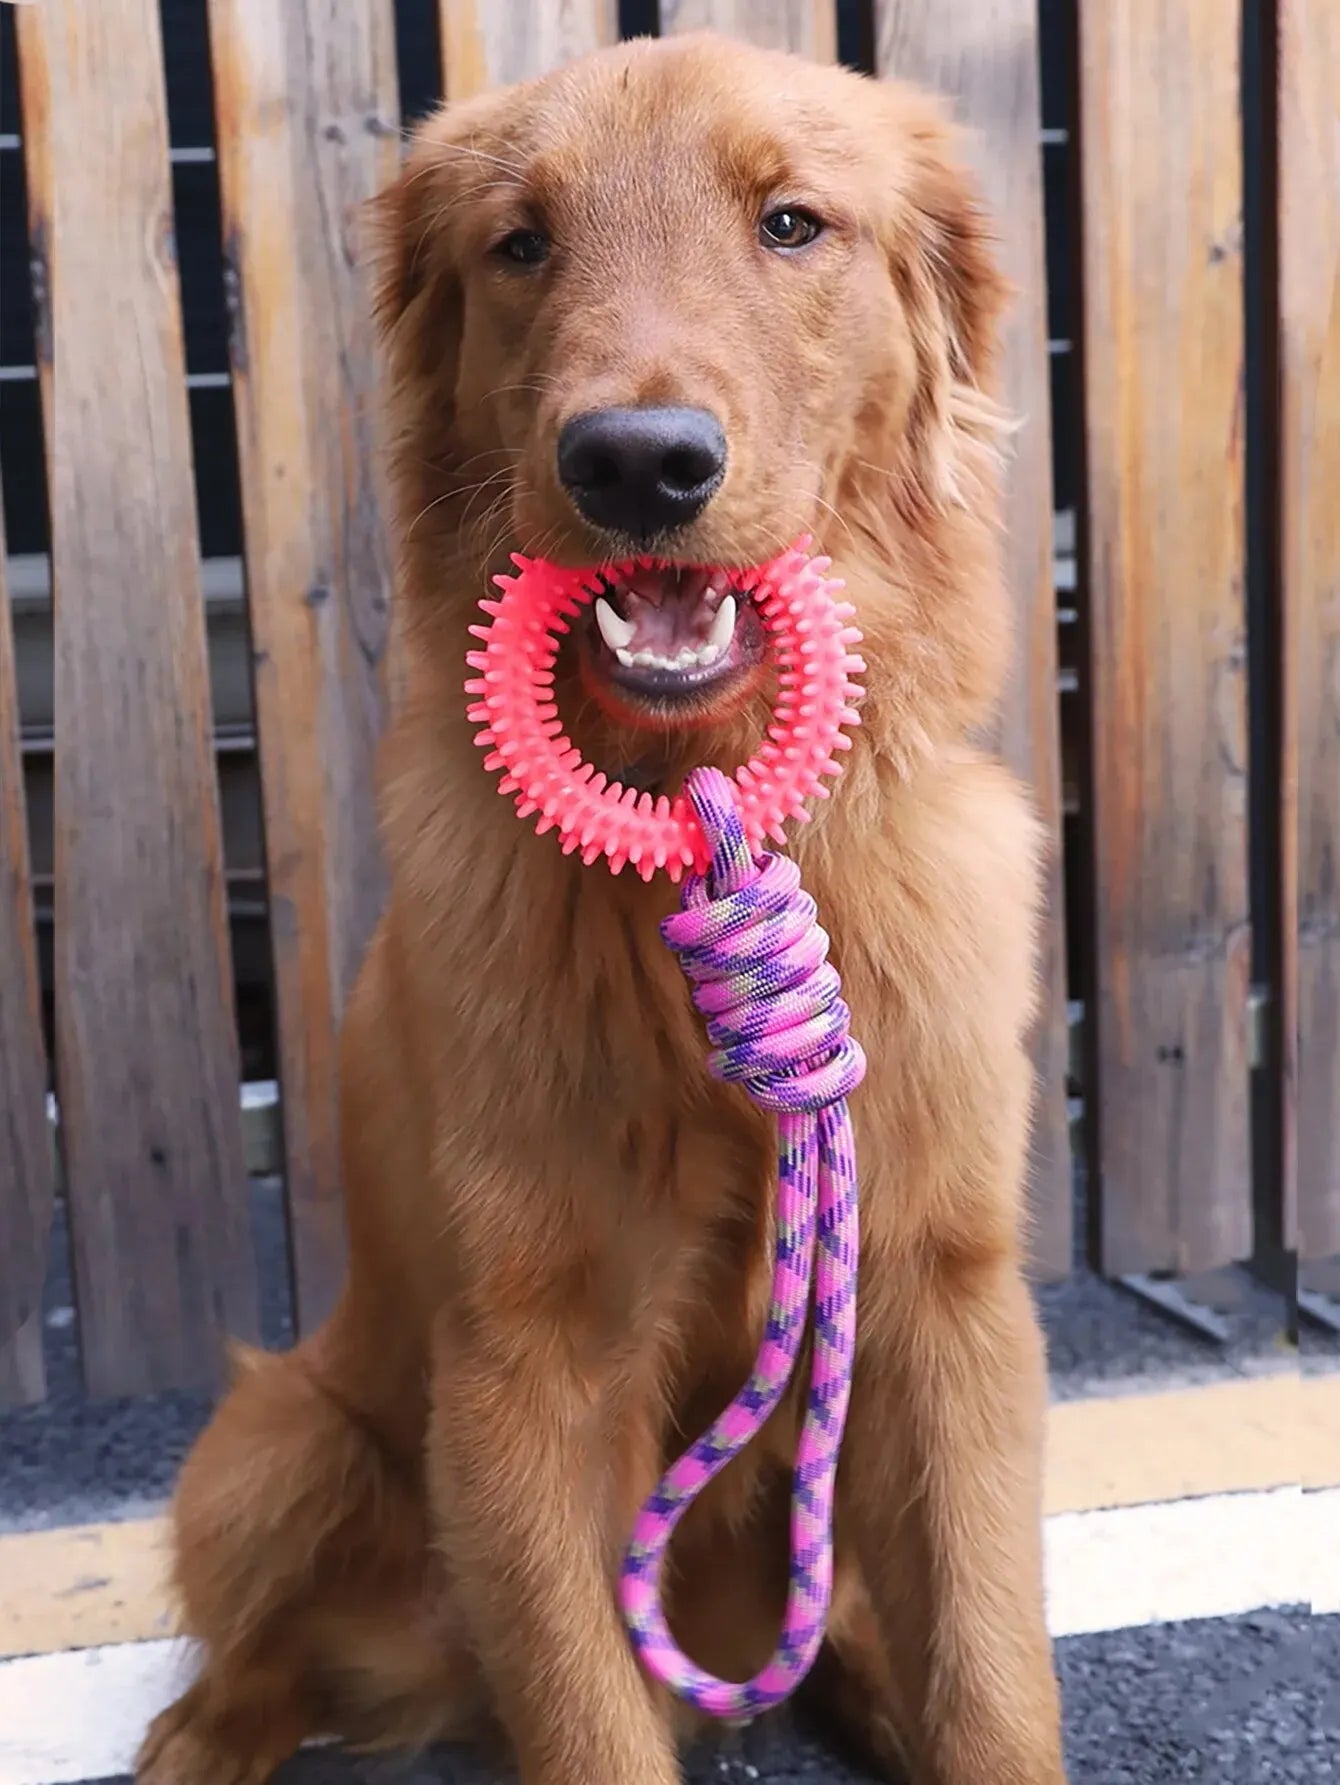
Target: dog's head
662, 313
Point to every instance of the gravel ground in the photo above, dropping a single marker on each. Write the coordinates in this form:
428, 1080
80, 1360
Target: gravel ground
1247, 1701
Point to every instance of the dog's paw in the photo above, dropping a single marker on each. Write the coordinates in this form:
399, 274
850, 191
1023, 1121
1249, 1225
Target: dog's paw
184, 1748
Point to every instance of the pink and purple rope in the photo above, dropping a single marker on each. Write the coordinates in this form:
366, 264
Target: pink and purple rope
749, 942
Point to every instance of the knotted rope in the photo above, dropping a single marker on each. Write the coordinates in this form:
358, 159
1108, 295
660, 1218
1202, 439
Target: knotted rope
757, 960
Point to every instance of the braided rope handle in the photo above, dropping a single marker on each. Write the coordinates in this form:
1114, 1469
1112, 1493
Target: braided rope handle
749, 942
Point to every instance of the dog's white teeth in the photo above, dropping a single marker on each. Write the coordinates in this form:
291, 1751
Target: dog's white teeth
616, 631
620, 634
686, 659
723, 626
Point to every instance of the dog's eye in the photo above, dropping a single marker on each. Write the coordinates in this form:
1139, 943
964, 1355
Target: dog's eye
524, 248
789, 228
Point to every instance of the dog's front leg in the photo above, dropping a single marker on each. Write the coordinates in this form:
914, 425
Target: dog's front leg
942, 1490
540, 1455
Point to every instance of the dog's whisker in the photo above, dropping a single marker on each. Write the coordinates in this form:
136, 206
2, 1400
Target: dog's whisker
486, 557
491, 452
527, 385
497, 511
828, 508
444, 152
501, 477
468, 492
427, 508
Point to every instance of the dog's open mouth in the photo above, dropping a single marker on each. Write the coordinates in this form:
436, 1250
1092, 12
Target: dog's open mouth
665, 633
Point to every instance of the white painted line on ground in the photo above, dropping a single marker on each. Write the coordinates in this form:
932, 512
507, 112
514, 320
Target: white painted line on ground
83, 1715
70, 1717
1205, 1558
1323, 1551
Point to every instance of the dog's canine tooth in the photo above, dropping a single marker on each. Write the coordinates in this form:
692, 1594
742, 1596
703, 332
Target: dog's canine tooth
616, 631
723, 625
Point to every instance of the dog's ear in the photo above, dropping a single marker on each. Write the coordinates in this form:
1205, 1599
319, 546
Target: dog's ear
413, 231
946, 238
415, 289
942, 259
395, 233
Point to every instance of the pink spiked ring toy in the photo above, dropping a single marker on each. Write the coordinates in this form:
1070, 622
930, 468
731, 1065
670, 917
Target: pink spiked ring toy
812, 639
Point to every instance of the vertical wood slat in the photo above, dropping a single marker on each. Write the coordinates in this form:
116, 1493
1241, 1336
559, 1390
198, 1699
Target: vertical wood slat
147, 1064
1309, 237
983, 56
485, 44
307, 130
807, 26
27, 1179
1163, 328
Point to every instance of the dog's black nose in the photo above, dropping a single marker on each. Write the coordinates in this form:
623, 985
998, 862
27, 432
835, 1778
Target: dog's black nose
641, 472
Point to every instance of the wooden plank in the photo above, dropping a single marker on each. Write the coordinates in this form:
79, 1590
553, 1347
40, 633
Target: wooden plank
1163, 360
1309, 238
984, 57
27, 1180
307, 131
146, 1048
807, 26
488, 45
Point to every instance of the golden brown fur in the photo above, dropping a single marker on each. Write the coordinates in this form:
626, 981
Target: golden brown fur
559, 1226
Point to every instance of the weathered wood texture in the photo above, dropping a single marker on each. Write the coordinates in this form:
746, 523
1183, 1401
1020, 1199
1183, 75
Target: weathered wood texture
1309, 238
26, 1177
984, 58
146, 1048
485, 44
307, 131
809, 26
1163, 361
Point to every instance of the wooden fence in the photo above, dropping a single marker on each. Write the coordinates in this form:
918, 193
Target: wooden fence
1157, 790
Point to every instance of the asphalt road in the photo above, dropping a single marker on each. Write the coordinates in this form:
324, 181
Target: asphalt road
1247, 1701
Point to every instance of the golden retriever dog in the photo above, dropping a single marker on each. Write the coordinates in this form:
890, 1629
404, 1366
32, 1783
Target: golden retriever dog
683, 300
